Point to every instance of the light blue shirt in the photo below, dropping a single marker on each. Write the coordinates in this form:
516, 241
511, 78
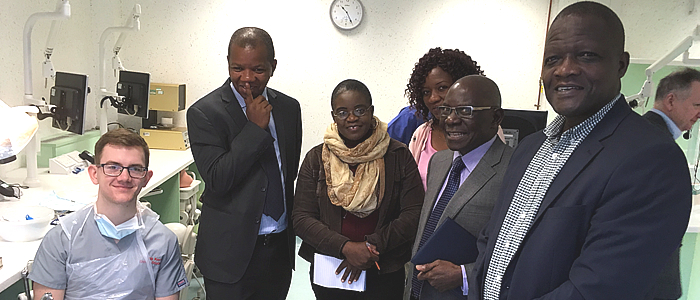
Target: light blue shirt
268, 224
672, 127
470, 160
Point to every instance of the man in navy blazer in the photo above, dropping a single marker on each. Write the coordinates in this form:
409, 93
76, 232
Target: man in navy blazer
593, 206
676, 109
246, 143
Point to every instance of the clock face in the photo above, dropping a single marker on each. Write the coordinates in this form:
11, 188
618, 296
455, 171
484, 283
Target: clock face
346, 14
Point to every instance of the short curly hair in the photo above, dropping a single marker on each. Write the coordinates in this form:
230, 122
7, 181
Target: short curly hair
455, 62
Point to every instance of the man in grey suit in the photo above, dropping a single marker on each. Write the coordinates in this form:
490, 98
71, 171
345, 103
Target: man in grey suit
676, 109
463, 181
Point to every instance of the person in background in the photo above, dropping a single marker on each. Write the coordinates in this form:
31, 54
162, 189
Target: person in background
463, 181
676, 109
358, 198
677, 104
592, 206
402, 126
432, 76
115, 248
246, 143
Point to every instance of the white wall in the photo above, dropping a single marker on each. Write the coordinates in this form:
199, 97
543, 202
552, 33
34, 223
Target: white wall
184, 41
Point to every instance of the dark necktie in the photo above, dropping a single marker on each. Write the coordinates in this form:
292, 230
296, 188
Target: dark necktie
450, 190
274, 197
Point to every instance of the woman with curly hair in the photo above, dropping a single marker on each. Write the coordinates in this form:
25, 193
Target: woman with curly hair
432, 76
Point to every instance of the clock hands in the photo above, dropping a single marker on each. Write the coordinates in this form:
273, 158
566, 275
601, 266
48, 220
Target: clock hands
347, 14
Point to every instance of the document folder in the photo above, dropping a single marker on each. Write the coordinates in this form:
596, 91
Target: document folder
449, 242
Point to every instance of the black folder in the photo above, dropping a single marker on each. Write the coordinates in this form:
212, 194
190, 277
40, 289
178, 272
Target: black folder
449, 242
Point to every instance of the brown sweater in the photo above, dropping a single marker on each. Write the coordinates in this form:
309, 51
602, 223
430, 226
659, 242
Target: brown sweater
318, 222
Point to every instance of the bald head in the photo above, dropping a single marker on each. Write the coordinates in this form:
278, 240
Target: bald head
482, 90
253, 37
595, 11
465, 132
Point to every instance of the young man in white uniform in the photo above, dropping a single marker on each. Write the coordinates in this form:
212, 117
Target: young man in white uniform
115, 248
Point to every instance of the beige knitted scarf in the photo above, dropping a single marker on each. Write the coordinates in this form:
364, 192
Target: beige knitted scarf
361, 193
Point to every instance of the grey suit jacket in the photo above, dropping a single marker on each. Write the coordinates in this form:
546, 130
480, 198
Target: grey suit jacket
470, 206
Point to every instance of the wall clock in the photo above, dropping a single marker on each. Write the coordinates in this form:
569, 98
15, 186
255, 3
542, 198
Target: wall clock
346, 14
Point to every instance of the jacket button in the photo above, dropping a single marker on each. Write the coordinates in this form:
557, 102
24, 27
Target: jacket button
257, 220
263, 189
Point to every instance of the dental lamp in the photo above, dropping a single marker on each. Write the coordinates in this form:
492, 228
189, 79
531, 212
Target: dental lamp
643, 96
18, 130
62, 12
132, 24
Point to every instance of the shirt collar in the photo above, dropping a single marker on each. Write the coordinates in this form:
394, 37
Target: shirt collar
672, 127
553, 130
472, 158
240, 99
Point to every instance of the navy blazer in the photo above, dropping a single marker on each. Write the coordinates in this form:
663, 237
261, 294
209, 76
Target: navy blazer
227, 148
609, 221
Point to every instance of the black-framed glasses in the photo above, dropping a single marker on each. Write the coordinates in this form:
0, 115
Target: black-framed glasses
358, 112
116, 170
461, 111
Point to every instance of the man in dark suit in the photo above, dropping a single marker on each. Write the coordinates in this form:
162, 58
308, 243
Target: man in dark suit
677, 104
471, 137
592, 206
676, 109
246, 142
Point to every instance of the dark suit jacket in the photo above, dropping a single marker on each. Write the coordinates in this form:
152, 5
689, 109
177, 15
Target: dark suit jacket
609, 222
227, 149
318, 222
470, 206
668, 285
658, 121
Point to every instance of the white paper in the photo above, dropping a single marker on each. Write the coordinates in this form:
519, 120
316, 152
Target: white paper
324, 274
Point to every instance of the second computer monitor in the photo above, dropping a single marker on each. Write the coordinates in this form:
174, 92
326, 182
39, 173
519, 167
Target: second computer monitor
69, 95
518, 124
133, 87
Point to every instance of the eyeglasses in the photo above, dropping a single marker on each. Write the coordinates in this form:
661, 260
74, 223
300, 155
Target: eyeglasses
116, 170
462, 111
358, 112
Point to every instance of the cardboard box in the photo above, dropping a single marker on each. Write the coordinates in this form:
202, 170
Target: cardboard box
166, 97
169, 138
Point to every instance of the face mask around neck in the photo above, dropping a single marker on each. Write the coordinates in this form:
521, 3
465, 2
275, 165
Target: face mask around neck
116, 232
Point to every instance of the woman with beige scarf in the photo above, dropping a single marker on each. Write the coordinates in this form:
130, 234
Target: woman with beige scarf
358, 198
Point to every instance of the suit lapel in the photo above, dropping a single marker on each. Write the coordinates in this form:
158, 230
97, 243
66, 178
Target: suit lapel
232, 106
441, 165
280, 120
586, 151
481, 174
438, 170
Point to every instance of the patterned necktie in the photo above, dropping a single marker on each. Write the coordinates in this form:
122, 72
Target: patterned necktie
274, 198
450, 189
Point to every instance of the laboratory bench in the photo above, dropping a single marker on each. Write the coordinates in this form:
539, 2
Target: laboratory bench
70, 192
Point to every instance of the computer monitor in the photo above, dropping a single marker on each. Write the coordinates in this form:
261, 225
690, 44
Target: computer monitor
133, 87
518, 124
69, 95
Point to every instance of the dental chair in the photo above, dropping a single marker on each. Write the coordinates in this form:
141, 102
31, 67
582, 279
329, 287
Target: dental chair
187, 239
